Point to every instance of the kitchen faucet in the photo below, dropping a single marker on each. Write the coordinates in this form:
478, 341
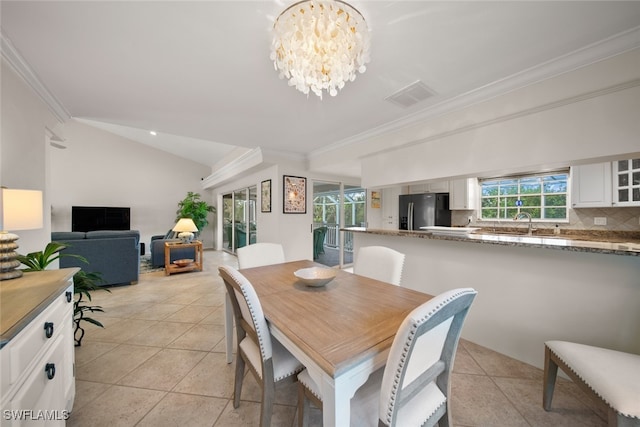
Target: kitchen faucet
527, 215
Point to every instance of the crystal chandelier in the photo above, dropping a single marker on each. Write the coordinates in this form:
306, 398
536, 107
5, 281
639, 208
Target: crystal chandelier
319, 45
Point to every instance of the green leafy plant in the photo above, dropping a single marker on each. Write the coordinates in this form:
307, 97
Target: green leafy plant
192, 206
83, 283
38, 261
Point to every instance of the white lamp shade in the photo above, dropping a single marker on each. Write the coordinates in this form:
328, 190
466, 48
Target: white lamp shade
185, 224
20, 210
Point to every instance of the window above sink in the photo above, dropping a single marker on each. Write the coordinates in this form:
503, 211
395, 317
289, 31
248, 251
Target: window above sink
543, 196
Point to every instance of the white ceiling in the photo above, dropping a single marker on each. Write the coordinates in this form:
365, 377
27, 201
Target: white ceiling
199, 72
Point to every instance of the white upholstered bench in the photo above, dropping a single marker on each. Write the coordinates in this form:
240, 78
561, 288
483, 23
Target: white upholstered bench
609, 376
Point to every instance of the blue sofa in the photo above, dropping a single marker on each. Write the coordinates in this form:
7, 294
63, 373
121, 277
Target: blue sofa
115, 254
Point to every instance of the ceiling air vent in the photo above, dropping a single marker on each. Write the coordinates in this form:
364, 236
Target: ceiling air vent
411, 95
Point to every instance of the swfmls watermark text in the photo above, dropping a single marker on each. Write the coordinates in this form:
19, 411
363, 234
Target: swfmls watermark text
35, 415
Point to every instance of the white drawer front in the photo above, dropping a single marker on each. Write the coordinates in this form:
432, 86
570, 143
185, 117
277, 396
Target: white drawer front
40, 401
31, 342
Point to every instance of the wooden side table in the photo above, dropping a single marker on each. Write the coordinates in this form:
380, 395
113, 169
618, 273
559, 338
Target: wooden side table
170, 268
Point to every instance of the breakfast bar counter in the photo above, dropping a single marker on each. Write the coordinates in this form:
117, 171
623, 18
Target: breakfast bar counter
616, 244
530, 288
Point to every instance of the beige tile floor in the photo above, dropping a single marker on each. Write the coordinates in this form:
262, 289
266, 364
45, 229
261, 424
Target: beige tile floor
160, 361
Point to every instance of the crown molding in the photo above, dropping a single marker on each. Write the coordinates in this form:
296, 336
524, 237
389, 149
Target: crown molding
240, 165
601, 50
22, 68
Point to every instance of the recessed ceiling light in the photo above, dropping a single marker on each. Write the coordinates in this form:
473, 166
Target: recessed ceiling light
153, 132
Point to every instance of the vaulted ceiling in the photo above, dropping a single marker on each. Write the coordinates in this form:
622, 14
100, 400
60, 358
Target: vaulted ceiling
199, 73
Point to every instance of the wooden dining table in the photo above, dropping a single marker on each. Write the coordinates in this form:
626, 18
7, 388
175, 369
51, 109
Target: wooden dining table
340, 332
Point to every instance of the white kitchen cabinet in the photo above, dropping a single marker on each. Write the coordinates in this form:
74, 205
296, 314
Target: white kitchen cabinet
432, 187
390, 200
463, 194
418, 188
37, 363
439, 187
626, 182
591, 186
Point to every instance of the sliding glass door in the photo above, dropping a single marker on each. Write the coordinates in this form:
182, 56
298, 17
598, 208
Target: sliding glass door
239, 218
354, 202
227, 222
336, 206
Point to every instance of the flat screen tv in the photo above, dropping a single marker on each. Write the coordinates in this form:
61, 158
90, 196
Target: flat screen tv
92, 218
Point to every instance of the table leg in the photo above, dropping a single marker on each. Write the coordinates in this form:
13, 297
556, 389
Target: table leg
228, 328
336, 403
337, 394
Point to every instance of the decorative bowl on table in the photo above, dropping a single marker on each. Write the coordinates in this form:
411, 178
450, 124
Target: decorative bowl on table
316, 276
182, 262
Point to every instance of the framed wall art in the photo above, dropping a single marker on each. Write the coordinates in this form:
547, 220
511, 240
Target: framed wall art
375, 199
294, 195
265, 201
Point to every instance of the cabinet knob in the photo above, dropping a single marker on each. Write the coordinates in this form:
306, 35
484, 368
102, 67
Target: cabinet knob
69, 296
50, 369
48, 329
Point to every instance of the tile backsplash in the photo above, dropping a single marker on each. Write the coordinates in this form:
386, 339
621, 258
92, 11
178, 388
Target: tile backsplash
618, 219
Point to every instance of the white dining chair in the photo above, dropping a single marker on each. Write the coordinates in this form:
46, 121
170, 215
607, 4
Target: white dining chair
380, 263
607, 376
413, 389
255, 255
259, 254
266, 358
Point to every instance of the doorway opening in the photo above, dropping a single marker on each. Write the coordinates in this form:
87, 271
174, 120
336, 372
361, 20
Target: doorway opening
336, 206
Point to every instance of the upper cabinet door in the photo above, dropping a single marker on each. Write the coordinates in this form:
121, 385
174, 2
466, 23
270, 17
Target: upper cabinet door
390, 197
591, 186
626, 182
464, 194
432, 187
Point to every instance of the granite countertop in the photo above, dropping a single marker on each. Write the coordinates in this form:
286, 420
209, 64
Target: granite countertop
614, 242
24, 298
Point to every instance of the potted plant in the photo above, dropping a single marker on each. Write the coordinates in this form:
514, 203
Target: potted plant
192, 206
83, 284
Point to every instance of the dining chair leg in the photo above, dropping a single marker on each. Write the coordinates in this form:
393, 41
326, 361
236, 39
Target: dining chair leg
440, 418
266, 409
550, 375
303, 407
237, 389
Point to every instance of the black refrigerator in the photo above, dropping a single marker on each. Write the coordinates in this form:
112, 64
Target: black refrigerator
422, 210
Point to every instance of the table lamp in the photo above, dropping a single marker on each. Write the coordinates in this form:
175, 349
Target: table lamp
185, 228
19, 210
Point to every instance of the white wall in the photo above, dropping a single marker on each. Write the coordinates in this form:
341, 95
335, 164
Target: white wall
528, 295
293, 231
102, 169
451, 117
24, 160
605, 126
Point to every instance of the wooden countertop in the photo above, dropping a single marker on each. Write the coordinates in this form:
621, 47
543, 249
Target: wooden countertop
22, 299
631, 247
